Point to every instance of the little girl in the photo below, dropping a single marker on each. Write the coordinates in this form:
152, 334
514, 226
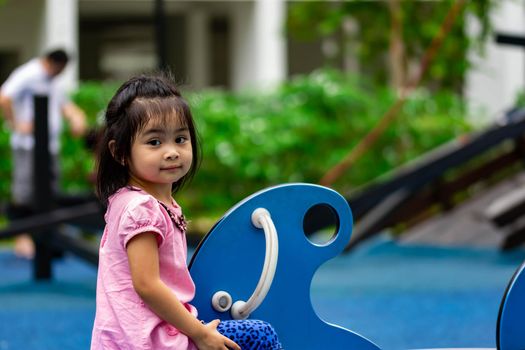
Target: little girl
148, 151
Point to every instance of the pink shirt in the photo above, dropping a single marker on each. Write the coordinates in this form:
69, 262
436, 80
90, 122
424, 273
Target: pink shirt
122, 319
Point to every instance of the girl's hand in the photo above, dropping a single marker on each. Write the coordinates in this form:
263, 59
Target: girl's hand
213, 340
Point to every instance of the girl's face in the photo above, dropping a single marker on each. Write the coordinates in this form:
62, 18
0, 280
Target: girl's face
160, 156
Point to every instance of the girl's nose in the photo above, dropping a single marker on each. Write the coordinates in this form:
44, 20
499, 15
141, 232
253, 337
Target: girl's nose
172, 153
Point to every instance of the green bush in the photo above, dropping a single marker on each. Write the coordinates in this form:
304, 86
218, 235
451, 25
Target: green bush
305, 127
293, 133
77, 161
5, 161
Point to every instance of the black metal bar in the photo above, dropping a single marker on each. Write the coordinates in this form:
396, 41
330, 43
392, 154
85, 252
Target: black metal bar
376, 219
43, 196
160, 34
40, 222
435, 163
510, 39
41, 157
515, 236
81, 248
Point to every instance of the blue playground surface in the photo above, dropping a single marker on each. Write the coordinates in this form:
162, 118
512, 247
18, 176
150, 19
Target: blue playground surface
397, 295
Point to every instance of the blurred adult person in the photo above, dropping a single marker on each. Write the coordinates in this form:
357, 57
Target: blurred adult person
36, 77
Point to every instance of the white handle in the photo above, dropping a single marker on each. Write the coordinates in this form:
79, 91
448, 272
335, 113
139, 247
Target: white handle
241, 309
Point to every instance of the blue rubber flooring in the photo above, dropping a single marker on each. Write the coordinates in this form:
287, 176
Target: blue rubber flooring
398, 296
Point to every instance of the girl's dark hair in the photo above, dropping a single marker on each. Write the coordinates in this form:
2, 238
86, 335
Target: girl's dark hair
133, 105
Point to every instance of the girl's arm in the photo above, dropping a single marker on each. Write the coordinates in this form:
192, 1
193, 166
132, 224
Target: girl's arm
143, 256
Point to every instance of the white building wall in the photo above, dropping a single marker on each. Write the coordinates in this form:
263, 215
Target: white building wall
259, 45
243, 45
60, 30
198, 54
491, 87
269, 21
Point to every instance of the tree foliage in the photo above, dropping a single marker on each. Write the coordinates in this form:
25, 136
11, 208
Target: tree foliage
420, 22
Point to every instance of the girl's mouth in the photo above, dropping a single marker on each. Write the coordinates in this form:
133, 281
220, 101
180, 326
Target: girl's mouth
175, 167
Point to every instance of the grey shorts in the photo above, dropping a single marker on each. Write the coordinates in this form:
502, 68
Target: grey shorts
22, 180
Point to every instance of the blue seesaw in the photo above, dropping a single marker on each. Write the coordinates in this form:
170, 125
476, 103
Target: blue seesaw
257, 262
510, 334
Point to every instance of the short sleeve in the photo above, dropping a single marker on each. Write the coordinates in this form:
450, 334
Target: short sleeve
142, 214
15, 85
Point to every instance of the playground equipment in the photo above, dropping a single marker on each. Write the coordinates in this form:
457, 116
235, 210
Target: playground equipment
227, 264
51, 209
511, 317
425, 184
257, 262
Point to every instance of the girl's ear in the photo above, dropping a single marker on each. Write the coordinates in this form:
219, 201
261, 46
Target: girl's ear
112, 148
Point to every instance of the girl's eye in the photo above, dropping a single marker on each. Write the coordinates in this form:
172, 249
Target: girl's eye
154, 142
181, 139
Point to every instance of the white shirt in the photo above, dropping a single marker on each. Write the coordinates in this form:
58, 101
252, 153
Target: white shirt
24, 82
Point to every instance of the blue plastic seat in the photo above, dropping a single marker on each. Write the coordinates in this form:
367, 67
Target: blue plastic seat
510, 332
231, 257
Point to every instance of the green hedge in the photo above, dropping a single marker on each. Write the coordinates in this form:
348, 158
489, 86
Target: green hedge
5, 161
304, 128
293, 133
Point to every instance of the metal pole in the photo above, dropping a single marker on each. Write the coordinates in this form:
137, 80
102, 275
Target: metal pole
42, 200
160, 34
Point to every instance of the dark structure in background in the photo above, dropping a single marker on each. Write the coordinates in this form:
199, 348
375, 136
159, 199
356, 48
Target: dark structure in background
160, 35
52, 210
43, 201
